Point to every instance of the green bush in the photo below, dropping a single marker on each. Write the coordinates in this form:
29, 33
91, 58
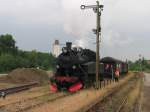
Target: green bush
11, 57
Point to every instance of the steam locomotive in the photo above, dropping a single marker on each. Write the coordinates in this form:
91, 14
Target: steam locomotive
75, 69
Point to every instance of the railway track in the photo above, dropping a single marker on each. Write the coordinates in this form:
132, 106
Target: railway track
27, 104
47, 99
113, 101
12, 90
30, 103
124, 101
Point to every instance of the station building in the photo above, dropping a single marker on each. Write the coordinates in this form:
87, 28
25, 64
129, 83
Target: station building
56, 50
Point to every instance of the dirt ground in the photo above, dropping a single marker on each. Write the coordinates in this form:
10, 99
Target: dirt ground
25, 75
21, 76
146, 94
36, 91
6, 85
127, 94
3, 75
67, 104
75, 102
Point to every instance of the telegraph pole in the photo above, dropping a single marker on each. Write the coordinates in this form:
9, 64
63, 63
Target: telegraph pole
140, 59
97, 45
97, 9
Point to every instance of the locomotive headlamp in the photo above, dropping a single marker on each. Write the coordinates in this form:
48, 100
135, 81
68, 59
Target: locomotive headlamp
74, 67
65, 50
57, 66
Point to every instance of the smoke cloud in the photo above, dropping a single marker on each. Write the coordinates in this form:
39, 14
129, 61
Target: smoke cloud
78, 22
81, 22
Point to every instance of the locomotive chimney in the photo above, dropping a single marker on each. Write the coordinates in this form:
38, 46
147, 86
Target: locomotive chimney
68, 45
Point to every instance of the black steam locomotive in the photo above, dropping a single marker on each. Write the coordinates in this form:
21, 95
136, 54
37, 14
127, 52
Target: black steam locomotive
75, 69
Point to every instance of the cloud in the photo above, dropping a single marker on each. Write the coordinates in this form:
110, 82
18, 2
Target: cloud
120, 20
124, 23
124, 20
78, 22
113, 38
32, 11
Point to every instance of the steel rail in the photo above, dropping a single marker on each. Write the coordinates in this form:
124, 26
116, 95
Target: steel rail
124, 101
11, 90
109, 94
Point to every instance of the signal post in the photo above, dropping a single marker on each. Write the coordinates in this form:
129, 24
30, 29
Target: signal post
97, 9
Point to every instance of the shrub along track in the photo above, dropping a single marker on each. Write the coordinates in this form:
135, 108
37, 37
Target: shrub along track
27, 104
116, 101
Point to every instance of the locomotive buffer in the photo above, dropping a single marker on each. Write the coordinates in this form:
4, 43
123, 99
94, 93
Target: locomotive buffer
97, 9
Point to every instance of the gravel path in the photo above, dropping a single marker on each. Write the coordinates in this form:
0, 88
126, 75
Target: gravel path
146, 93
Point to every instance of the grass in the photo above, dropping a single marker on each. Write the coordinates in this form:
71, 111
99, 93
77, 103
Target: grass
133, 97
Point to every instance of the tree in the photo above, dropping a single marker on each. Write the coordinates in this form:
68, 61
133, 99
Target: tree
7, 44
11, 57
7, 62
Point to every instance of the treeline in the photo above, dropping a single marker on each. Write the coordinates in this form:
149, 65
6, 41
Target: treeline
138, 65
11, 57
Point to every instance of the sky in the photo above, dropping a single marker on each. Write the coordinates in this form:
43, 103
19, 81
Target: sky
35, 24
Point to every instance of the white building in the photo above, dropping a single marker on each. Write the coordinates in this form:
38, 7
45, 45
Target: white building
56, 48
